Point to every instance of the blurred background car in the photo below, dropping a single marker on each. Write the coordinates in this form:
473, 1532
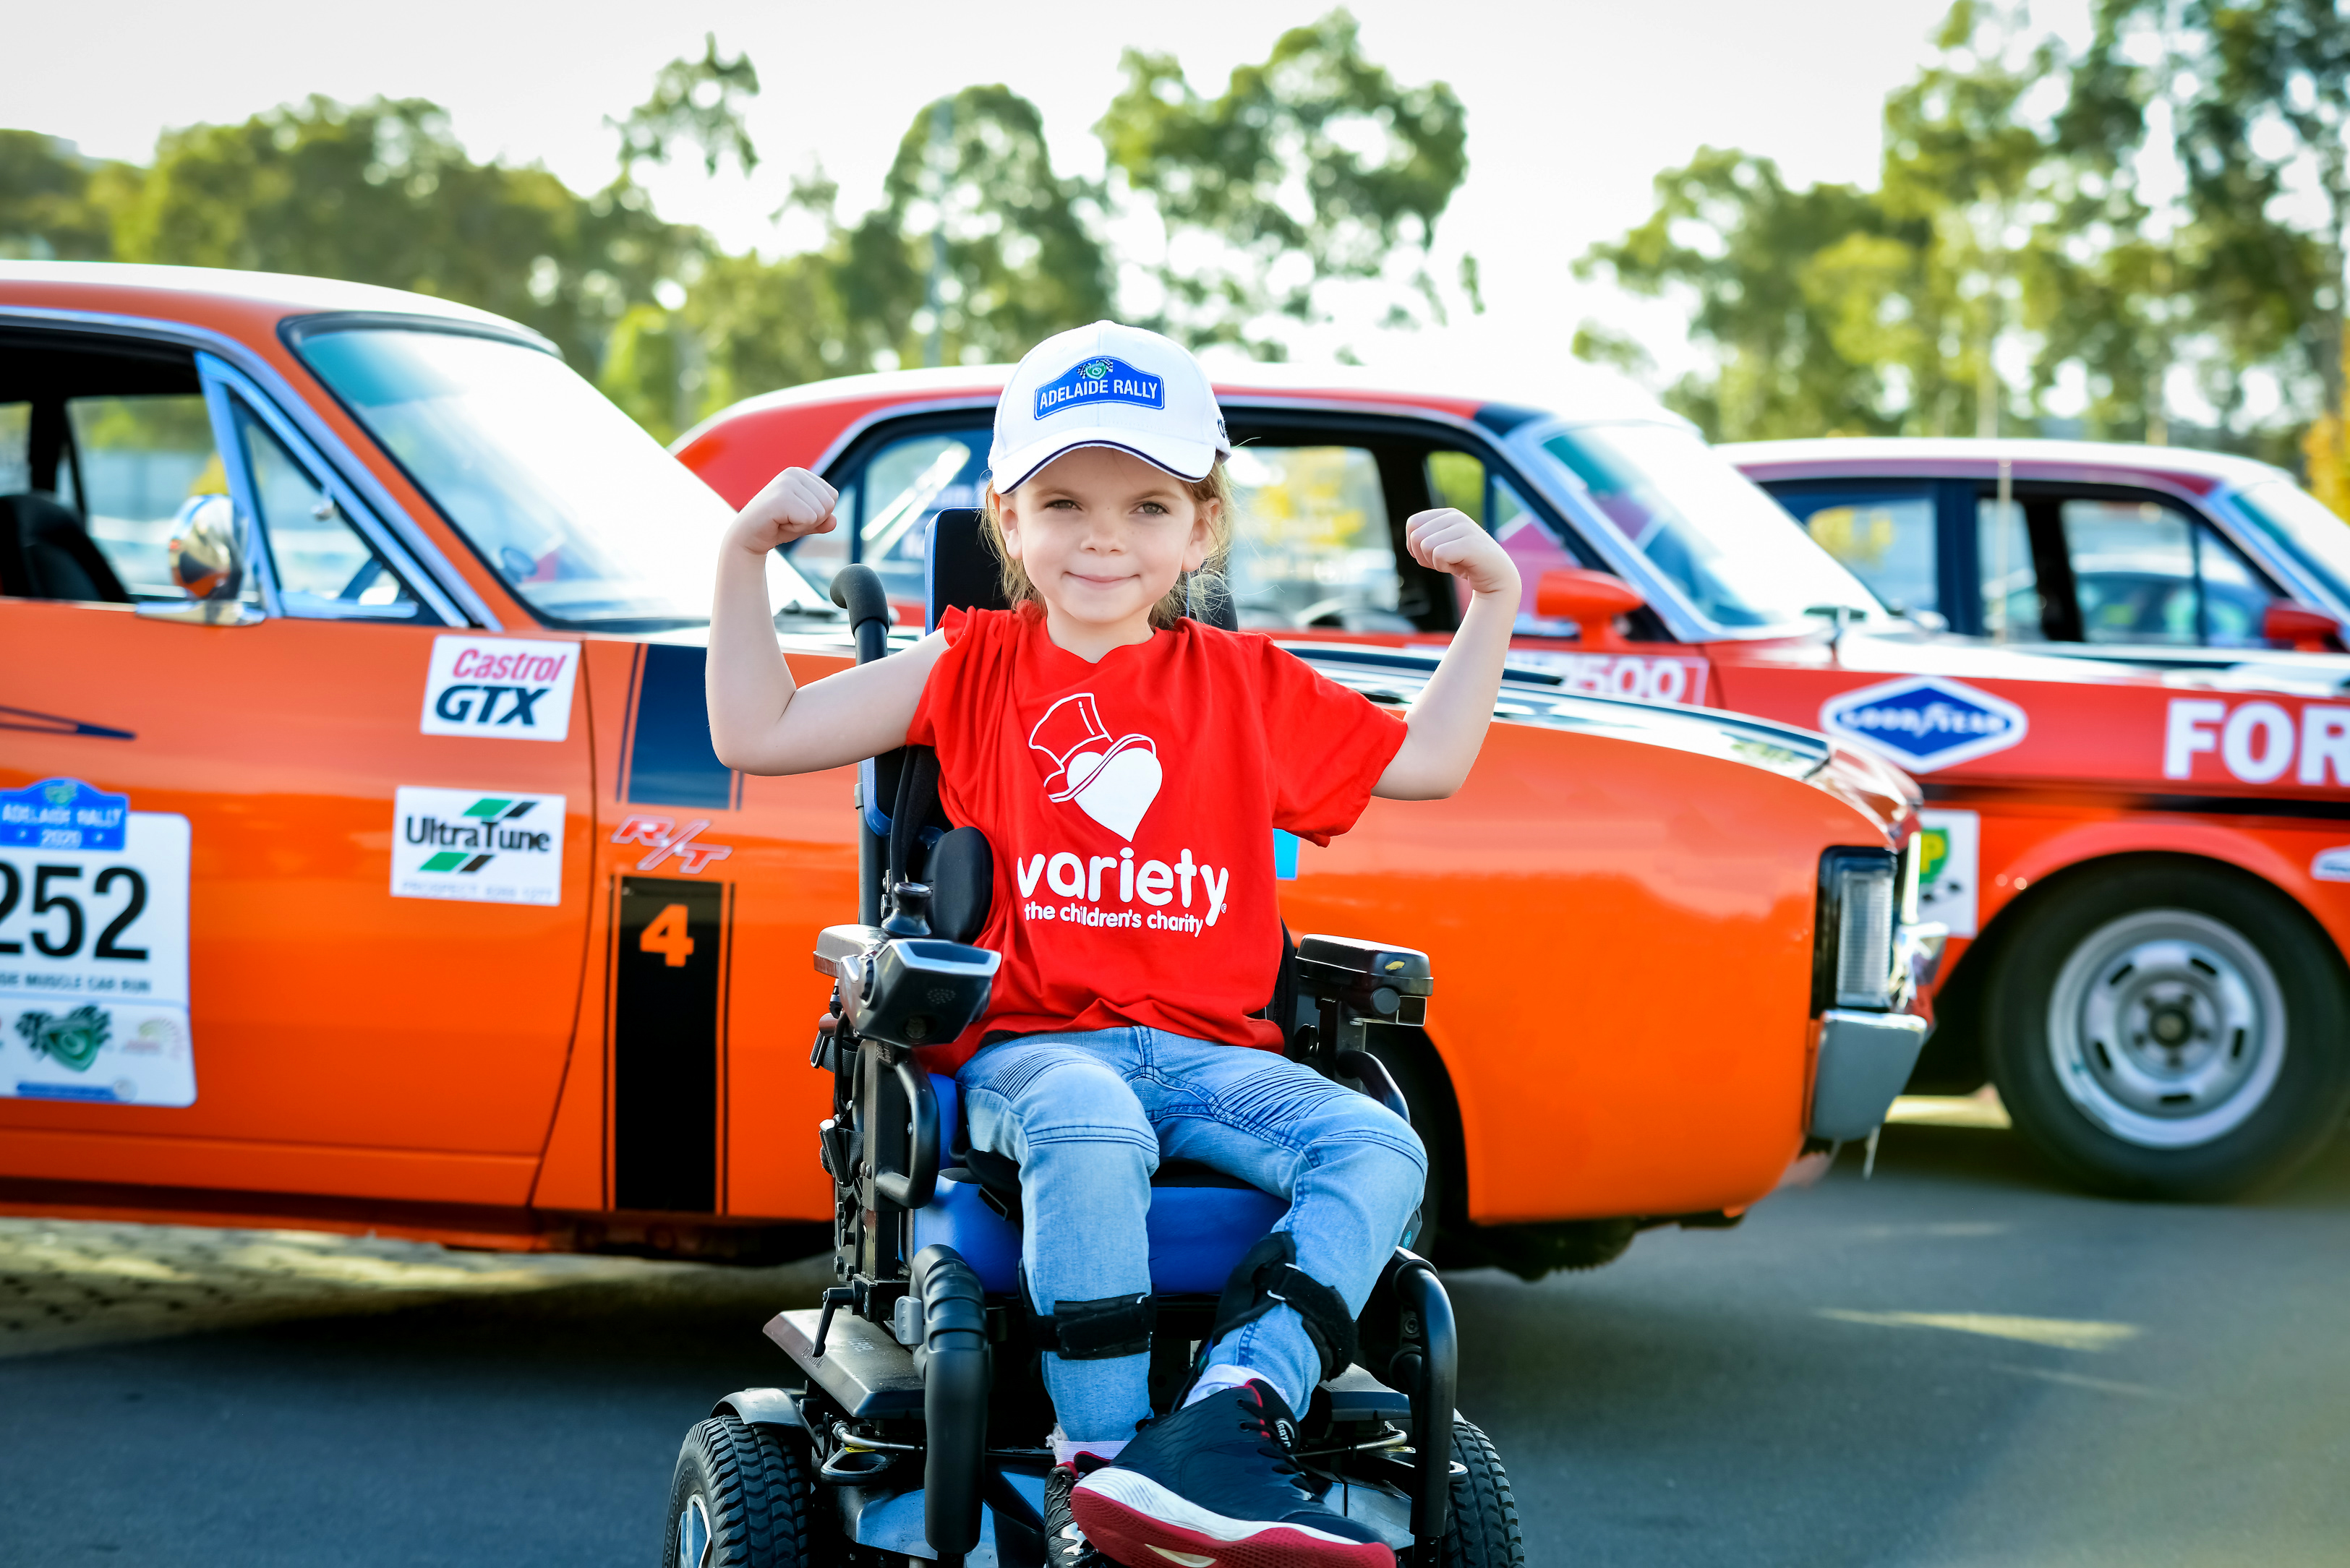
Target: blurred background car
2161, 554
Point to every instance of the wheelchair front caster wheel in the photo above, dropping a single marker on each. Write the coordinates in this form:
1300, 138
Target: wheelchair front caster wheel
740, 1499
1483, 1531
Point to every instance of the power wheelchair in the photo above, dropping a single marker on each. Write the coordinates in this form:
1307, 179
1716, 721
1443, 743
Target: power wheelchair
916, 1430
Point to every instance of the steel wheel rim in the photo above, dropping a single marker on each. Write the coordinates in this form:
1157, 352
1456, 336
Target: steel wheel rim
693, 1533
2166, 1028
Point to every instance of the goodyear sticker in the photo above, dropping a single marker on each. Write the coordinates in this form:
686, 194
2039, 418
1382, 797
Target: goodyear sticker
502, 848
1925, 722
93, 948
1101, 380
500, 687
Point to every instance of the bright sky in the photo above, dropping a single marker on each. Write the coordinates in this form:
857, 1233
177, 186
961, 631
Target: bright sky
1572, 107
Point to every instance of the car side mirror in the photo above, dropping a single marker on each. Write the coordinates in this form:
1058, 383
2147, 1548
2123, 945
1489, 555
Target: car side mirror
209, 565
1591, 600
2306, 629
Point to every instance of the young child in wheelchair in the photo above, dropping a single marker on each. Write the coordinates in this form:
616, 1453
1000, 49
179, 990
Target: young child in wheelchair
1127, 766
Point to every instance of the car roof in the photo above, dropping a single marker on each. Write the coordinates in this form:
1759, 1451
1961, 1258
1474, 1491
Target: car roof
1571, 390
1854, 456
290, 294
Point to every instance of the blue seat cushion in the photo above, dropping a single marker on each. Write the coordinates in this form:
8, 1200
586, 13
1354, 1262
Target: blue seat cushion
1197, 1232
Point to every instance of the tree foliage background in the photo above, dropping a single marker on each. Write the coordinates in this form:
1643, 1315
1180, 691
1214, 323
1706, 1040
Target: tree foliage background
2150, 232
1313, 172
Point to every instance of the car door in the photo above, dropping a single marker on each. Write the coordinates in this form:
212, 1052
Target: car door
291, 901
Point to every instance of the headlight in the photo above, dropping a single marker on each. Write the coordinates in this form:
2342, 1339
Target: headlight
1861, 894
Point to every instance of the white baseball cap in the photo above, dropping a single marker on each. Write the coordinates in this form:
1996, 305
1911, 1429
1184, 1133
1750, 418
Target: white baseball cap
1107, 384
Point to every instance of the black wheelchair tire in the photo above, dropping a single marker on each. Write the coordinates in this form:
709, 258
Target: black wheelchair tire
2302, 1110
753, 1487
1483, 1531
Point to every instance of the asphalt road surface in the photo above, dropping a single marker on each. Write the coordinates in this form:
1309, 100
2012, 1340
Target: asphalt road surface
1957, 1363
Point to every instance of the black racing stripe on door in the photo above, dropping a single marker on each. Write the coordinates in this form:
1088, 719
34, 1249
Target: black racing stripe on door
670, 759
2290, 807
668, 984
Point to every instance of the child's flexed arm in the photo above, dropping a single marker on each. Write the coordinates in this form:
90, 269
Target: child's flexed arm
1448, 723
759, 722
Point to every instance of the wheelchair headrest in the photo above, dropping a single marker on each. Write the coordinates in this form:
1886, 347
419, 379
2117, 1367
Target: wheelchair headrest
963, 572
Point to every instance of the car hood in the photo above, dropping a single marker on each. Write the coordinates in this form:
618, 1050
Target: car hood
1915, 651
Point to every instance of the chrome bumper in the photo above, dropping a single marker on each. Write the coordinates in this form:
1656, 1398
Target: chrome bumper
1865, 1058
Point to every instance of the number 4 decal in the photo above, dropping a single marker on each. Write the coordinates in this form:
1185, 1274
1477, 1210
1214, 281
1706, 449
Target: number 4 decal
667, 935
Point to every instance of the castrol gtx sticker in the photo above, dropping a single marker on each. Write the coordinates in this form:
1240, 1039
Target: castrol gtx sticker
2256, 743
493, 848
1925, 722
500, 688
93, 948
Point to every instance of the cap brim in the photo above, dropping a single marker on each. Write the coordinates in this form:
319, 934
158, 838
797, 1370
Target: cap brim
1184, 459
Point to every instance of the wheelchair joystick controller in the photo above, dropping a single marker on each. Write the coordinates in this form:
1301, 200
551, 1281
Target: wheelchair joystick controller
909, 912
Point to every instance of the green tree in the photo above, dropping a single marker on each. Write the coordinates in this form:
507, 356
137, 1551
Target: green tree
381, 193
1728, 230
1312, 168
2254, 101
698, 101
54, 203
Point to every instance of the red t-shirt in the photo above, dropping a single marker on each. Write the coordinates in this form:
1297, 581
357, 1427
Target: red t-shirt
1130, 805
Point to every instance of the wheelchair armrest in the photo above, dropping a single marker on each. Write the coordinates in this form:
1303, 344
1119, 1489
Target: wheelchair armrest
1390, 983
907, 990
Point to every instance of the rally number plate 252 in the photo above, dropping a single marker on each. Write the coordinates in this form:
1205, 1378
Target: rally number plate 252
93, 948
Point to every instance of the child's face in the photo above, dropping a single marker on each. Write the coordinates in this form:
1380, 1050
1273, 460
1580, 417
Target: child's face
1103, 535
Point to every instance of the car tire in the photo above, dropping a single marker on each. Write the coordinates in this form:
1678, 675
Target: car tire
1483, 1531
741, 1497
2170, 1028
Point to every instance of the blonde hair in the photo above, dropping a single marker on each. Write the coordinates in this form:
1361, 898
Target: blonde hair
1194, 590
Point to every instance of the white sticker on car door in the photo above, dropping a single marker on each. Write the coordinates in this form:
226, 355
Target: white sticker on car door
500, 688
93, 948
1946, 877
490, 846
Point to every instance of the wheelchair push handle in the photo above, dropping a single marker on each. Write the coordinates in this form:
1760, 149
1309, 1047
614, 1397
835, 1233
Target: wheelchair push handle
858, 589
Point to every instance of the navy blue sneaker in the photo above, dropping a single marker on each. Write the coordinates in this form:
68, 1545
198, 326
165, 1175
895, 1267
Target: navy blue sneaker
1065, 1545
1212, 1486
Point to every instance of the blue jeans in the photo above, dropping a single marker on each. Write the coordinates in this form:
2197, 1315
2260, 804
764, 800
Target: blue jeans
1090, 1115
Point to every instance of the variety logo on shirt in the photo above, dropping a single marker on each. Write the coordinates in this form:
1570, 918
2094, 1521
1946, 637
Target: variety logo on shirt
1113, 781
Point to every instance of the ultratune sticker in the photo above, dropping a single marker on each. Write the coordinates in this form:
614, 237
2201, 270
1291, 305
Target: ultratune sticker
93, 948
1925, 722
503, 688
1952, 844
2331, 865
501, 848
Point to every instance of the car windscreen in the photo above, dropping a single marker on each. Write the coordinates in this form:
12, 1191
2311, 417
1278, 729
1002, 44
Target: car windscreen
2304, 528
1733, 552
584, 515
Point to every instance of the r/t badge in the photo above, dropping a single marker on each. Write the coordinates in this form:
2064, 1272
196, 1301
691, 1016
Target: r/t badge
664, 841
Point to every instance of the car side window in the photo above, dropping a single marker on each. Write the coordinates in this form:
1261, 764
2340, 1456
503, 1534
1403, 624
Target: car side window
2147, 573
325, 568
1459, 479
2012, 607
887, 502
1887, 542
1312, 546
135, 464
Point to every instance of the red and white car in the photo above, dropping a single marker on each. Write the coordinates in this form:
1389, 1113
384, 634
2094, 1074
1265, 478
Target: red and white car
2145, 872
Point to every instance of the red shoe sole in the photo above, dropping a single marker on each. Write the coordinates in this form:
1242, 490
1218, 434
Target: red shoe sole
1135, 1539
